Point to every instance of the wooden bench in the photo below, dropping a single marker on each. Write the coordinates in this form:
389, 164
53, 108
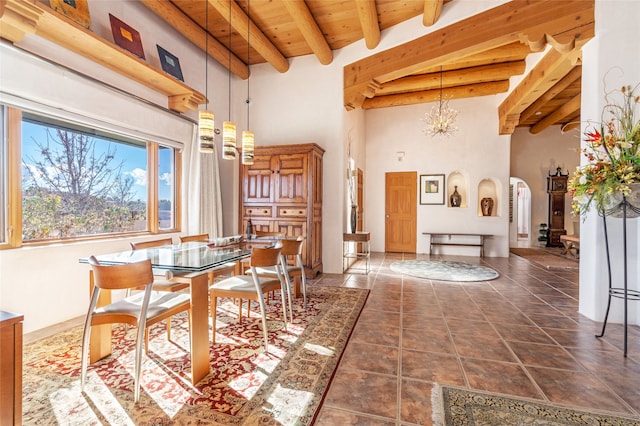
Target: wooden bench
445, 239
571, 245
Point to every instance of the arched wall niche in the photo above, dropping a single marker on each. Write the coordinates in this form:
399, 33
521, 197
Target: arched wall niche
488, 199
460, 180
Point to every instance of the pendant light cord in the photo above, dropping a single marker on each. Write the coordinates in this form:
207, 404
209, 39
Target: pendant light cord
229, 47
248, 56
206, 53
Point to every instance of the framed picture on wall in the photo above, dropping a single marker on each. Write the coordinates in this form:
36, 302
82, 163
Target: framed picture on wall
170, 63
126, 37
431, 189
76, 10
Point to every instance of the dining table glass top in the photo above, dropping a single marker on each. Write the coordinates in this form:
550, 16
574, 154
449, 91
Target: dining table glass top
191, 256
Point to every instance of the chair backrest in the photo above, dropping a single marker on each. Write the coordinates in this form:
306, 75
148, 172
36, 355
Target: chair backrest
264, 256
291, 247
199, 237
152, 243
120, 277
270, 234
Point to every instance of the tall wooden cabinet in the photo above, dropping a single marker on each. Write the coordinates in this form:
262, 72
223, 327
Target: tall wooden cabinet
282, 191
556, 188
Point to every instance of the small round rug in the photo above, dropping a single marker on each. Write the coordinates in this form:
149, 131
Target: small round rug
443, 270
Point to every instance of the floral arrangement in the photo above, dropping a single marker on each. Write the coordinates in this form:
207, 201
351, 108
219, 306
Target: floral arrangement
613, 151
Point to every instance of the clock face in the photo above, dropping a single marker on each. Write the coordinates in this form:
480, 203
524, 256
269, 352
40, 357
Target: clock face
558, 185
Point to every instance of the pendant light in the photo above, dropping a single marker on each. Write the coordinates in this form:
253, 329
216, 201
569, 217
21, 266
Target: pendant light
229, 127
206, 122
248, 138
441, 120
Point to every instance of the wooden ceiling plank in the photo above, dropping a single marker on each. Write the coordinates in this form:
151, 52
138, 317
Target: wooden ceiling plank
432, 11
495, 27
459, 92
568, 109
573, 75
251, 33
310, 30
547, 72
194, 33
460, 77
368, 16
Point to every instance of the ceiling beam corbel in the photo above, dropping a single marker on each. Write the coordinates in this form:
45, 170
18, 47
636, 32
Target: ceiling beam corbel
251, 33
368, 15
18, 19
432, 11
194, 33
310, 30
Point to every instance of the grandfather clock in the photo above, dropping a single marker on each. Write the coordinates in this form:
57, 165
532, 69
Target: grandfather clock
556, 188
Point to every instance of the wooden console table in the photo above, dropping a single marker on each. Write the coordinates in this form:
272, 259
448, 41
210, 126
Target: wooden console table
10, 368
361, 250
571, 245
445, 239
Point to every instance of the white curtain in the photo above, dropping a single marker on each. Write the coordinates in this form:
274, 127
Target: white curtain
204, 207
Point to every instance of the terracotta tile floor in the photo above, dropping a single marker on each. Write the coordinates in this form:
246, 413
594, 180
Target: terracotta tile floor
518, 335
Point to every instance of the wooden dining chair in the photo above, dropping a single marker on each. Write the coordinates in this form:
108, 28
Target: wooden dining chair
228, 269
290, 249
252, 287
142, 309
199, 237
161, 279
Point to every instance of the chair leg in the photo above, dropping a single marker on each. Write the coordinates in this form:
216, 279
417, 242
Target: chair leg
214, 311
303, 277
240, 302
169, 329
143, 335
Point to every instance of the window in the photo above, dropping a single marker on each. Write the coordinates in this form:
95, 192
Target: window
81, 182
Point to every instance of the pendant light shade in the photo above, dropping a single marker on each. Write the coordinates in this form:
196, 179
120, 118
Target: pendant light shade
248, 141
229, 140
206, 130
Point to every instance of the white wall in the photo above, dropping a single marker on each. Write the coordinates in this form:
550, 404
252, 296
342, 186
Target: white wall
476, 150
610, 60
533, 157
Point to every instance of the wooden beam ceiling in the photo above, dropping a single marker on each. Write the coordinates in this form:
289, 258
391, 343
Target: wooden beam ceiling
368, 16
560, 22
310, 30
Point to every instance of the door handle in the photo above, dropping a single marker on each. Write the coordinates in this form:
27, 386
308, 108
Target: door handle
387, 216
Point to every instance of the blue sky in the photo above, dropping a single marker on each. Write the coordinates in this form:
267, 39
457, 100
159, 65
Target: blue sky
134, 159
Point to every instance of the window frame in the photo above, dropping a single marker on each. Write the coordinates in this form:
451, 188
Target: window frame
13, 176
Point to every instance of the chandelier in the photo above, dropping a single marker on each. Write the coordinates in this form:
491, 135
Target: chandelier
441, 120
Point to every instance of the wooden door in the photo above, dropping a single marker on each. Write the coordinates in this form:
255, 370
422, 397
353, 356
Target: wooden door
400, 212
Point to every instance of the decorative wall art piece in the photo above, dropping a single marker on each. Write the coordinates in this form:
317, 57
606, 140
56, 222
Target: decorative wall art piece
126, 37
170, 63
76, 10
431, 189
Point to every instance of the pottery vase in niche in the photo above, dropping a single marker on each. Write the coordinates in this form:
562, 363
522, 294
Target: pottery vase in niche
486, 204
456, 198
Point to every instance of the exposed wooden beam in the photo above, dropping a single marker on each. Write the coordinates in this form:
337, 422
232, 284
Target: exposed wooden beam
194, 33
368, 16
509, 52
547, 72
459, 92
432, 11
310, 30
566, 81
461, 77
250, 32
567, 109
496, 27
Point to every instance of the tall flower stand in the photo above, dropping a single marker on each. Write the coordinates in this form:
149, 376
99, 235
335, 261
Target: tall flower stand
624, 210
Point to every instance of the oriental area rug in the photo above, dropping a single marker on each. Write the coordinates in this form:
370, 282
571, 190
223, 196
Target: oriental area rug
441, 270
246, 386
457, 407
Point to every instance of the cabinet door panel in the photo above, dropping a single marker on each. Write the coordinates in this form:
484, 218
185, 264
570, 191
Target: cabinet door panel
291, 178
257, 184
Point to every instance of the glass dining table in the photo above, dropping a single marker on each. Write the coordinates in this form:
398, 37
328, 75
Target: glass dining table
189, 262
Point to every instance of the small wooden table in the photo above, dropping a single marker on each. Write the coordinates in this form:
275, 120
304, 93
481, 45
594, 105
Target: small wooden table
359, 251
445, 239
571, 245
